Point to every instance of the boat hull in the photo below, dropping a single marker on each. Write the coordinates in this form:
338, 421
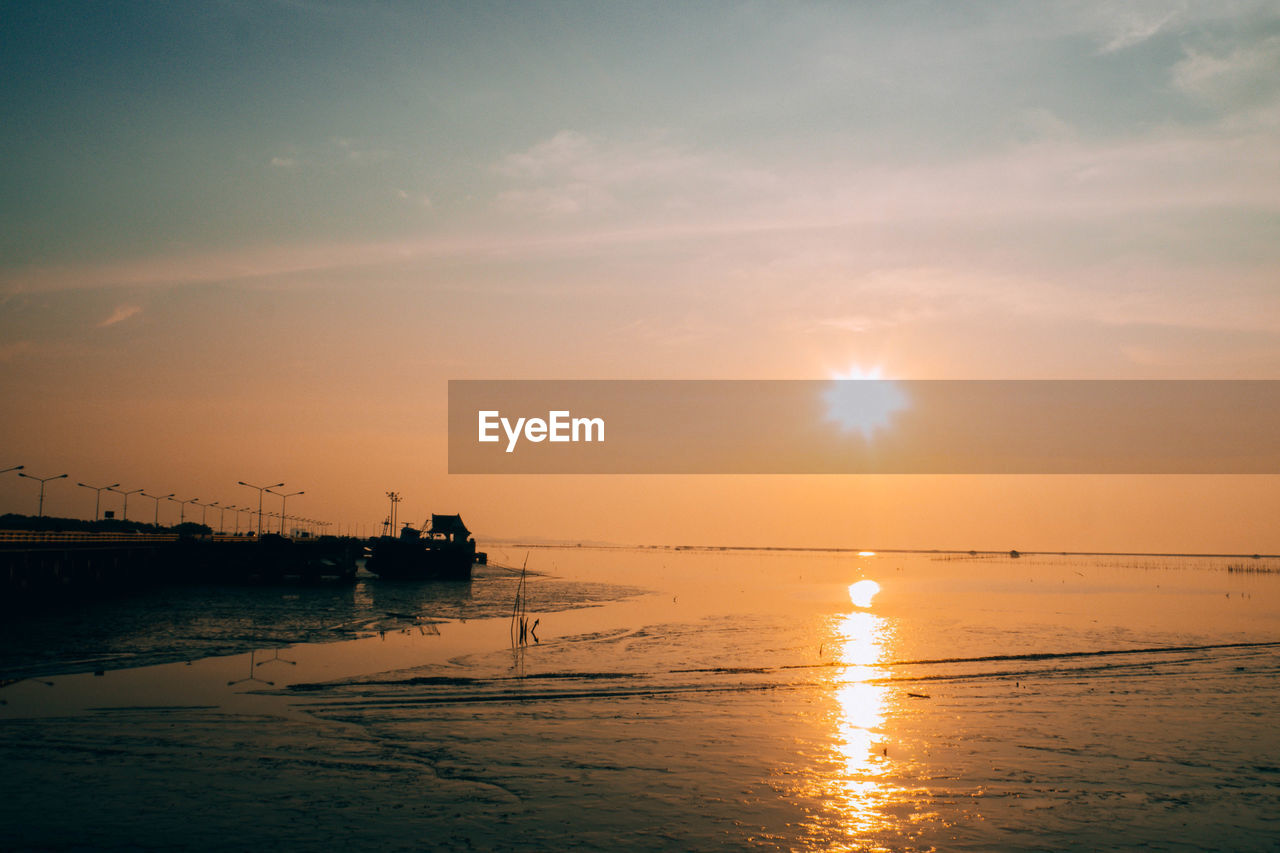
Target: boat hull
421, 559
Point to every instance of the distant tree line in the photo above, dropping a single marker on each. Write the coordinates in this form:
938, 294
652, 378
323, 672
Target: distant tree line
46, 524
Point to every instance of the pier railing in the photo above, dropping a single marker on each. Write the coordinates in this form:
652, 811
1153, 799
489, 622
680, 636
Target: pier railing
88, 538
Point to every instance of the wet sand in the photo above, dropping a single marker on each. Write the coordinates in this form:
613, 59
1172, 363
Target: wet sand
675, 700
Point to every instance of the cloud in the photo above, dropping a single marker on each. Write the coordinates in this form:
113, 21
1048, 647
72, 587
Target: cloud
1057, 223
1246, 73
567, 151
331, 155
1116, 27
1039, 124
1129, 182
563, 200
122, 313
573, 173
420, 199
1131, 24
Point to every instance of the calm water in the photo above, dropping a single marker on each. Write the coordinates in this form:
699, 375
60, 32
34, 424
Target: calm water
674, 700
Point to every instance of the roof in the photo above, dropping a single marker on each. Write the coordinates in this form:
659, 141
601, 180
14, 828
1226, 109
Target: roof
448, 524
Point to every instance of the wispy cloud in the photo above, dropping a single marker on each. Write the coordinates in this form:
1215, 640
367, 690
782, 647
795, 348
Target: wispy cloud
122, 313
417, 199
574, 173
1041, 184
334, 154
1131, 24
359, 152
1245, 73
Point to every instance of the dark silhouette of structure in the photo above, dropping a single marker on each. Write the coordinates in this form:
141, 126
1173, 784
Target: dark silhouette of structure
444, 550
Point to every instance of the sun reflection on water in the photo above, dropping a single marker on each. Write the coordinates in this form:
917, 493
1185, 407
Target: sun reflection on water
862, 592
856, 779
857, 790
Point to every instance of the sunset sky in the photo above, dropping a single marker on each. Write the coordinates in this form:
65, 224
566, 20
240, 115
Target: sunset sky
253, 241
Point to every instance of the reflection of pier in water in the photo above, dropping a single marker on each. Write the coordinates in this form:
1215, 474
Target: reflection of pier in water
251, 676
253, 668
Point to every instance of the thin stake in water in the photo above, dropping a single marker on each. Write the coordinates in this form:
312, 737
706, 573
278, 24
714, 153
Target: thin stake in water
521, 631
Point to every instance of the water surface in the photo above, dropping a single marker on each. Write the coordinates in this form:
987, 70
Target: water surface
674, 699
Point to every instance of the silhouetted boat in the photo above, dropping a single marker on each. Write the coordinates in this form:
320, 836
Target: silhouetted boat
444, 551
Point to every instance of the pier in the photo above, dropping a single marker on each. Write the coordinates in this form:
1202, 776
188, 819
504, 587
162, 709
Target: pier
38, 567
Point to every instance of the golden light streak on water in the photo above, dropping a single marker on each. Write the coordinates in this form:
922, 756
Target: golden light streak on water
862, 592
858, 791
862, 802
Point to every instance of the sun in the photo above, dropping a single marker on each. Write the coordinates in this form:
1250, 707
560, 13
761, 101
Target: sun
863, 401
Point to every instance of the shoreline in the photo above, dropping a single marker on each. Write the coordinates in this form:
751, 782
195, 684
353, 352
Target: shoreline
808, 549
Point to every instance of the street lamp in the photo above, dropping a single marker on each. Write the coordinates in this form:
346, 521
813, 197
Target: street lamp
283, 499
124, 513
182, 508
391, 519
14, 468
235, 519
42, 481
97, 499
260, 489
204, 511
157, 499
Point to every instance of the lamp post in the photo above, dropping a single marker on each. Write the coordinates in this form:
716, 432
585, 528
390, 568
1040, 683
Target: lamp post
222, 517
42, 481
235, 519
124, 513
204, 511
14, 468
157, 498
182, 511
391, 519
260, 489
97, 498
284, 499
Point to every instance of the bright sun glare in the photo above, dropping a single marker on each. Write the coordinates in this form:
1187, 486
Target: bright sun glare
862, 592
863, 401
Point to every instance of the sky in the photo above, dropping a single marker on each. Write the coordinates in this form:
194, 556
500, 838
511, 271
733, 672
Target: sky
253, 241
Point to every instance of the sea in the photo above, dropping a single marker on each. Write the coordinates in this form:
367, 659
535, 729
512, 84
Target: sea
660, 698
